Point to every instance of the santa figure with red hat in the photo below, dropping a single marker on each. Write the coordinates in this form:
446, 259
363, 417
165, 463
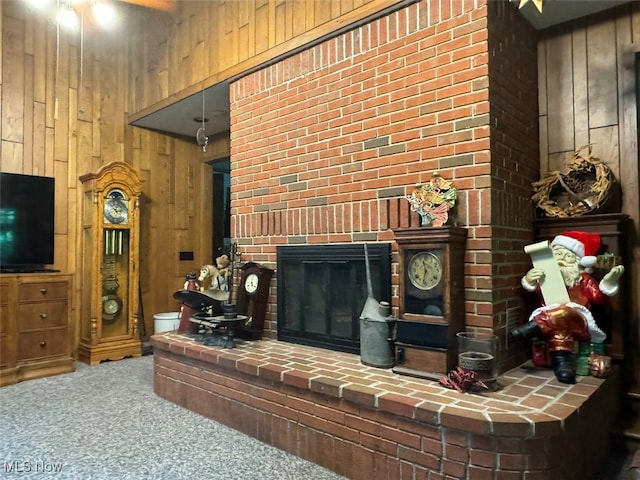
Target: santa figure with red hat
561, 324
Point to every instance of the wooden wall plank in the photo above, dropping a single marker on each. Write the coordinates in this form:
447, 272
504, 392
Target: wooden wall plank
13, 81
72, 157
544, 146
635, 22
298, 20
1, 52
51, 65
280, 23
542, 79
61, 106
40, 61
606, 147
49, 142
560, 93
602, 82
29, 27
558, 160
39, 132
262, 29
30, 133
62, 253
85, 83
580, 93
627, 113
11, 157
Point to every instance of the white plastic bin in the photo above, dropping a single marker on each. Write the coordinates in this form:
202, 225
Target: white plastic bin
166, 322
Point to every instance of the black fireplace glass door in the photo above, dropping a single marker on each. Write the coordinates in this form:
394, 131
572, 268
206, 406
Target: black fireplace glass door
322, 290
315, 308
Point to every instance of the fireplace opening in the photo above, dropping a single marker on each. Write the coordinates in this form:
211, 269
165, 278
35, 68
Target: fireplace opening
322, 290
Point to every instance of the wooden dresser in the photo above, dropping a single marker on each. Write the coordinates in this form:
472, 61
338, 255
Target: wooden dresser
35, 336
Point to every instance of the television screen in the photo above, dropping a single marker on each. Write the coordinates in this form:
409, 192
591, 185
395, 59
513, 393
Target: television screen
26, 222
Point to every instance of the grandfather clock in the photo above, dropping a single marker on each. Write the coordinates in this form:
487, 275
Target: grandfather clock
110, 238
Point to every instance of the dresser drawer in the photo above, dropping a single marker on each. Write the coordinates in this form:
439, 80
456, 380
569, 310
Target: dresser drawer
4, 293
7, 350
44, 343
42, 291
35, 316
5, 319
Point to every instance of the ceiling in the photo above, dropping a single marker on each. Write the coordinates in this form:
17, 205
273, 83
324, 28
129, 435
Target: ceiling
184, 118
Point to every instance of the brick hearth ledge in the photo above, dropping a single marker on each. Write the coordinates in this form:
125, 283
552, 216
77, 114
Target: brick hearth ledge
370, 423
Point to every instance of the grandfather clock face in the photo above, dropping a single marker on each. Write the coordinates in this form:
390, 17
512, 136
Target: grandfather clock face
423, 282
116, 208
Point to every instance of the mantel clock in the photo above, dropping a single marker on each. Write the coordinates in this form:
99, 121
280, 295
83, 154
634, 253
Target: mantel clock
431, 291
110, 239
253, 294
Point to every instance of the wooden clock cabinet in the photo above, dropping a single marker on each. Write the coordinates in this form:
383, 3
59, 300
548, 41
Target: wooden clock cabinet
110, 240
432, 302
35, 333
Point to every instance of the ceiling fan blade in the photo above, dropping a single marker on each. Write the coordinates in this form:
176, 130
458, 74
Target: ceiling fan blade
155, 4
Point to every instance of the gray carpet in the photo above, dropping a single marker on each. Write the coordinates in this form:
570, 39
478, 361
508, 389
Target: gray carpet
105, 422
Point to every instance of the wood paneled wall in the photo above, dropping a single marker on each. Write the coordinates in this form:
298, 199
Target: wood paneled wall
587, 94
203, 42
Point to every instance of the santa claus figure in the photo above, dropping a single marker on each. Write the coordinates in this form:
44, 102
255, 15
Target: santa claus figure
561, 324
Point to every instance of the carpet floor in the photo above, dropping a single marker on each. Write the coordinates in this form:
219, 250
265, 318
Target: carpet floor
105, 422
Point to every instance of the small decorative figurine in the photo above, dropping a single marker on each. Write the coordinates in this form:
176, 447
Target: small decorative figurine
433, 201
560, 324
218, 276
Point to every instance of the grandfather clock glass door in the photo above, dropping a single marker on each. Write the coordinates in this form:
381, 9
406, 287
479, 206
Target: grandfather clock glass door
115, 282
111, 222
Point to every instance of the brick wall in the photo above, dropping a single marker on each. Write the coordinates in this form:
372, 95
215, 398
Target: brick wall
515, 161
325, 143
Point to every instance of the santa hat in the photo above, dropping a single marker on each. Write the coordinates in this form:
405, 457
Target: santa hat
585, 245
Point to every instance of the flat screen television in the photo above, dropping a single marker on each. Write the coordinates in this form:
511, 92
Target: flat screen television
26, 222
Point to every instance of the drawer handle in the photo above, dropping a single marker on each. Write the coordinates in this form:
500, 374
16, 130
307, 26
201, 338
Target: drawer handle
43, 344
43, 291
43, 315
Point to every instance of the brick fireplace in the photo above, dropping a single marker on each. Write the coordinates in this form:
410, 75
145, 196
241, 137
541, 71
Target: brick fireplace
326, 142
322, 290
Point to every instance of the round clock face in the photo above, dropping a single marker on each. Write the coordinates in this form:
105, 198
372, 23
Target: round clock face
115, 210
251, 283
424, 270
111, 305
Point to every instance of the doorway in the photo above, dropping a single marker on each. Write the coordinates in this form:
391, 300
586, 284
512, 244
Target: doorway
221, 206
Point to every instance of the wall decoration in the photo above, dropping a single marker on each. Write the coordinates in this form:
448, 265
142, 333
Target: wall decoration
433, 201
